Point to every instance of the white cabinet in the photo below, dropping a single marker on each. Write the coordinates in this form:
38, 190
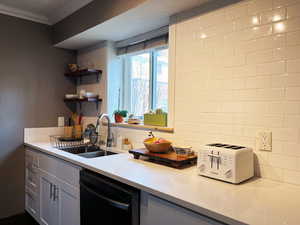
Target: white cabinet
48, 203
32, 183
52, 190
32, 203
69, 204
160, 212
59, 201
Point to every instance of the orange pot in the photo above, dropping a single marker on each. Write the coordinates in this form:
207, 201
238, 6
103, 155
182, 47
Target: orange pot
118, 118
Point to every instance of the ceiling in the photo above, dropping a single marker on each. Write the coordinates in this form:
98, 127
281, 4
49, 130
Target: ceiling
42, 11
150, 15
146, 17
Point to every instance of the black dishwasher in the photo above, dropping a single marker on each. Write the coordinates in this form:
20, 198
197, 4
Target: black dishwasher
104, 201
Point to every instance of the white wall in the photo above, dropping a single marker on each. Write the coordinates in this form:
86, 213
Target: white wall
95, 57
235, 72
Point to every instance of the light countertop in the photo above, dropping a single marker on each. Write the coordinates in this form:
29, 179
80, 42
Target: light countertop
258, 201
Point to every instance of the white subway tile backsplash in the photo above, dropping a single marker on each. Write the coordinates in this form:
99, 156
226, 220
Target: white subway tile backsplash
292, 121
293, 93
292, 177
293, 66
257, 6
293, 11
248, 21
285, 162
274, 94
237, 11
271, 68
269, 42
292, 52
282, 3
291, 149
262, 158
292, 107
258, 82
257, 32
244, 77
279, 81
271, 173
287, 25
293, 80
255, 107
293, 38
285, 134
273, 16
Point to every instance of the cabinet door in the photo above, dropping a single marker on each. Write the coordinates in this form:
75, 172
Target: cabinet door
48, 204
160, 212
69, 204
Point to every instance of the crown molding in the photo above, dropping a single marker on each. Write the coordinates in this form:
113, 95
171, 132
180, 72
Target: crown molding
23, 14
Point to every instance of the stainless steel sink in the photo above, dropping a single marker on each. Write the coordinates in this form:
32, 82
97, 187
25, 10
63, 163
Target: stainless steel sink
96, 154
89, 152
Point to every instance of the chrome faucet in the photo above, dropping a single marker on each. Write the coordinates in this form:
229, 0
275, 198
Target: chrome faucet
109, 134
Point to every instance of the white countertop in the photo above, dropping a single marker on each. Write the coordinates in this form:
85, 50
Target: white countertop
258, 201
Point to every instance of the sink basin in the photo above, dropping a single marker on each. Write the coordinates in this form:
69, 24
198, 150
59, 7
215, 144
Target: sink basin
89, 152
96, 154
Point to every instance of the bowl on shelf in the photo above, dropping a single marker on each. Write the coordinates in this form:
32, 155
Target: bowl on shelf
153, 145
90, 95
71, 96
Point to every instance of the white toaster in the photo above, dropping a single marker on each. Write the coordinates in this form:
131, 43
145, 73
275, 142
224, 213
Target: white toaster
225, 162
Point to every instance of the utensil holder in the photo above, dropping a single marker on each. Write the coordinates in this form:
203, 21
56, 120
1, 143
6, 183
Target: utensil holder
68, 132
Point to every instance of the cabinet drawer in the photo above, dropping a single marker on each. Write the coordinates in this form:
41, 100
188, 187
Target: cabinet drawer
152, 208
31, 158
60, 169
32, 179
32, 203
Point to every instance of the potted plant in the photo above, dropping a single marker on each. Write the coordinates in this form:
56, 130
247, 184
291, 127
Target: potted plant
119, 115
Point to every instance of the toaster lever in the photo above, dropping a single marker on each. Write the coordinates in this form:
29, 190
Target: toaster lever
214, 157
218, 161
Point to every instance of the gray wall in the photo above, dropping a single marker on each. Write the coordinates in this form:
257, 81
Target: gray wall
32, 86
91, 15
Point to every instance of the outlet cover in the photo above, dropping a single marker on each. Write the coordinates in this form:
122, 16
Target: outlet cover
61, 121
265, 141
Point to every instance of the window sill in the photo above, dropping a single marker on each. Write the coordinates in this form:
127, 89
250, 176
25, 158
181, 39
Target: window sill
144, 127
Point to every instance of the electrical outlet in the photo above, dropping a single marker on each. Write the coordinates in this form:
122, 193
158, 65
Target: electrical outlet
61, 121
265, 141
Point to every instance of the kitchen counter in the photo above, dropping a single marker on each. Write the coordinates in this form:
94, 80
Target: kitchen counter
258, 201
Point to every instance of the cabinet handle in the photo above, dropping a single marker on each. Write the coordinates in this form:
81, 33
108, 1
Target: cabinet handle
51, 190
55, 194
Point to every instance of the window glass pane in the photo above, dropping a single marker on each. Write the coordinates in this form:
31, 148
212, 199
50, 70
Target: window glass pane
140, 83
160, 92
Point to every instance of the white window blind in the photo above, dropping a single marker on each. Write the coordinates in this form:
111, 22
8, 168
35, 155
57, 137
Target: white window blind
152, 39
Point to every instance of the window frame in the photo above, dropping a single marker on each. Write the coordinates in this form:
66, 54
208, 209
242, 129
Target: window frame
126, 90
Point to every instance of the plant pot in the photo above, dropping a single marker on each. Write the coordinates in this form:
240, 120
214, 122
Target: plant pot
118, 118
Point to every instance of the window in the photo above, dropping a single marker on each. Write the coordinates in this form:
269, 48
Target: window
146, 81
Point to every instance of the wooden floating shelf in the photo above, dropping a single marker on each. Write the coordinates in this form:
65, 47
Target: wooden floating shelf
81, 100
81, 73
84, 73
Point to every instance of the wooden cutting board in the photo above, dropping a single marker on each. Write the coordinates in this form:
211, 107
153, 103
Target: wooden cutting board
169, 159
